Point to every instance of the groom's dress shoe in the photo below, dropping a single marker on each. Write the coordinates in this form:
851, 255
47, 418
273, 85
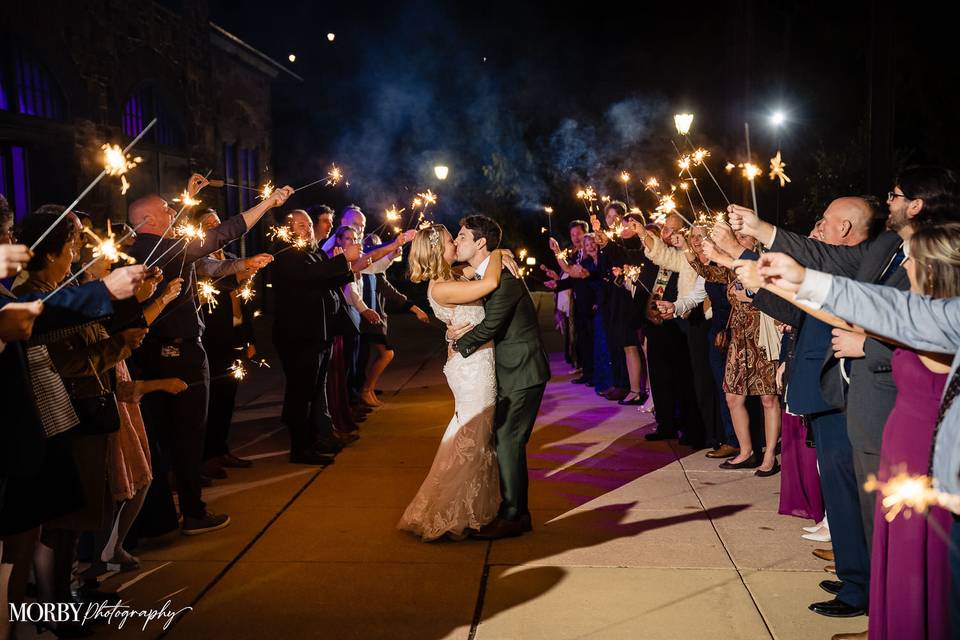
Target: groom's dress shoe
836, 608
832, 587
500, 528
526, 523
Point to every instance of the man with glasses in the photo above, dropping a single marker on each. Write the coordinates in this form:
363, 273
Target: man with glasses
858, 376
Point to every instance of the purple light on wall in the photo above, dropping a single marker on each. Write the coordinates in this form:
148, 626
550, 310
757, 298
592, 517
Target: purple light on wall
37, 93
3, 96
21, 184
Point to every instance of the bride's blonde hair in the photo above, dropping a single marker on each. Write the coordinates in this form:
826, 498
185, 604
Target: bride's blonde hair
426, 255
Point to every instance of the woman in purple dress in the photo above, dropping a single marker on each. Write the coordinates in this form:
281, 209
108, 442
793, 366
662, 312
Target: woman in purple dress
910, 569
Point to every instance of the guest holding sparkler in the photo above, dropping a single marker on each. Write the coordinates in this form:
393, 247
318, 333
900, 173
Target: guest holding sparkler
620, 245
752, 357
228, 333
577, 324
173, 348
377, 291
909, 583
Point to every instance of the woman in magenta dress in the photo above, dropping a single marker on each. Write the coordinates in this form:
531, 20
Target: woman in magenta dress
909, 566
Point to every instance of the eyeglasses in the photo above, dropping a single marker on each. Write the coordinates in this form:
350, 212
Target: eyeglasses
892, 195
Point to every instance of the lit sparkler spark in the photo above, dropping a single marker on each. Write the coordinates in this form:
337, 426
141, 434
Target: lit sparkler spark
543, 229
904, 492
751, 171
563, 254
246, 292
116, 162
699, 155
588, 194
416, 203
300, 243
683, 121
522, 253
684, 185
428, 197
624, 177
667, 205
257, 313
263, 363
266, 191
107, 248
729, 167
652, 183
124, 185
237, 370
548, 210
604, 198
632, 271
334, 176
280, 234
186, 200
207, 294
393, 214
684, 164
191, 232
777, 165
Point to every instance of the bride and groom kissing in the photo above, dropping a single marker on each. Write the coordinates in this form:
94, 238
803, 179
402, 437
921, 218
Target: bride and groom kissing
497, 370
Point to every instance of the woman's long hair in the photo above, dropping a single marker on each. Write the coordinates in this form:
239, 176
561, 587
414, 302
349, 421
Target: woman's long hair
936, 253
426, 255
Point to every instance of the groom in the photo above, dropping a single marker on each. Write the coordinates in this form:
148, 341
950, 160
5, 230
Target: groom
522, 371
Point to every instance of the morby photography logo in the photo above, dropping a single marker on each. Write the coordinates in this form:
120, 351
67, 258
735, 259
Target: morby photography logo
93, 612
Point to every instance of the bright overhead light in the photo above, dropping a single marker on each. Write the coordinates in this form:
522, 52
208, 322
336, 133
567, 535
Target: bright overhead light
441, 171
292, 57
777, 118
331, 36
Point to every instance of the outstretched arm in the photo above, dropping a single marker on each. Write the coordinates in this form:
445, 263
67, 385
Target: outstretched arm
455, 292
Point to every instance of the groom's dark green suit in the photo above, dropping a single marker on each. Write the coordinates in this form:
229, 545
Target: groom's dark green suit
522, 373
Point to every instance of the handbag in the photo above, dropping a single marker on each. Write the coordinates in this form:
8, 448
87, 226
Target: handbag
722, 340
98, 415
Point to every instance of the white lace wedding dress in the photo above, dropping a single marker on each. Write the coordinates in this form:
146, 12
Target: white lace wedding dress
462, 489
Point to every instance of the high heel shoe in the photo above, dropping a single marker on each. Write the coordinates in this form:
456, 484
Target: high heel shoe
634, 398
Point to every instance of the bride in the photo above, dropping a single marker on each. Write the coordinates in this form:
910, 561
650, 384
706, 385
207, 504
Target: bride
462, 489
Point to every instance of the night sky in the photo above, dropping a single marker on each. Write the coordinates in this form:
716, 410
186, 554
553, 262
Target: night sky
526, 102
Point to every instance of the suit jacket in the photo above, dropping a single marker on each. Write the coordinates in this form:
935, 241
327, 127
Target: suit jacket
511, 322
309, 304
871, 393
804, 396
21, 437
385, 292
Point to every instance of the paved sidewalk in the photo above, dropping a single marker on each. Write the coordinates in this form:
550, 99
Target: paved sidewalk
631, 539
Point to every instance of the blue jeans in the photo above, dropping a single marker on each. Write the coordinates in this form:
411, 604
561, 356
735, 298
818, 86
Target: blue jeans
842, 500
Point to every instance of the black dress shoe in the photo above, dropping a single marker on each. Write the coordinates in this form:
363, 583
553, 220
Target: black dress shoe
634, 399
526, 523
327, 444
499, 528
311, 457
660, 435
836, 608
832, 587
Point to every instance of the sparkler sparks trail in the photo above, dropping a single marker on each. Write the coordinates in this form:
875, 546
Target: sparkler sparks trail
777, 165
207, 293
95, 182
393, 214
428, 197
191, 232
683, 121
684, 164
750, 171
108, 248
266, 191
280, 234
624, 177
237, 370
186, 201
246, 292
548, 210
905, 493
334, 176
730, 167
116, 161
96, 258
699, 155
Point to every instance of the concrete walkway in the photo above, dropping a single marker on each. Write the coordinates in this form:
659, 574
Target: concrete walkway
632, 539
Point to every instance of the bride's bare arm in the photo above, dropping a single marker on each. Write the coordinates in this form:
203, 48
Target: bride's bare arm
454, 292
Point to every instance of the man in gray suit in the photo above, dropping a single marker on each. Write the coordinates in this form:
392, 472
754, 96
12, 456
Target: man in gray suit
857, 374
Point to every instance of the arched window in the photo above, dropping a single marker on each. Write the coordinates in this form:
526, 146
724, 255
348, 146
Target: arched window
145, 104
27, 87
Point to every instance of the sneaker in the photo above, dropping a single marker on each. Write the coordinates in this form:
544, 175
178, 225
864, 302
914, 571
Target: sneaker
204, 524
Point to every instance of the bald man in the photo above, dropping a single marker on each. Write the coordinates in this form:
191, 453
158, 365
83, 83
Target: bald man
173, 348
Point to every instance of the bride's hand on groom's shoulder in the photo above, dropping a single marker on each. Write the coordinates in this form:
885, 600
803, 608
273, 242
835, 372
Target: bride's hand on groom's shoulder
509, 263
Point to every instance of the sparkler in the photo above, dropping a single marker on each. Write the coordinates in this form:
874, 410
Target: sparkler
904, 493
730, 167
750, 171
684, 164
116, 163
246, 292
104, 250
207, 293
333, 177
266, 191
186, 201
393, 214
237, 370
777, 165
